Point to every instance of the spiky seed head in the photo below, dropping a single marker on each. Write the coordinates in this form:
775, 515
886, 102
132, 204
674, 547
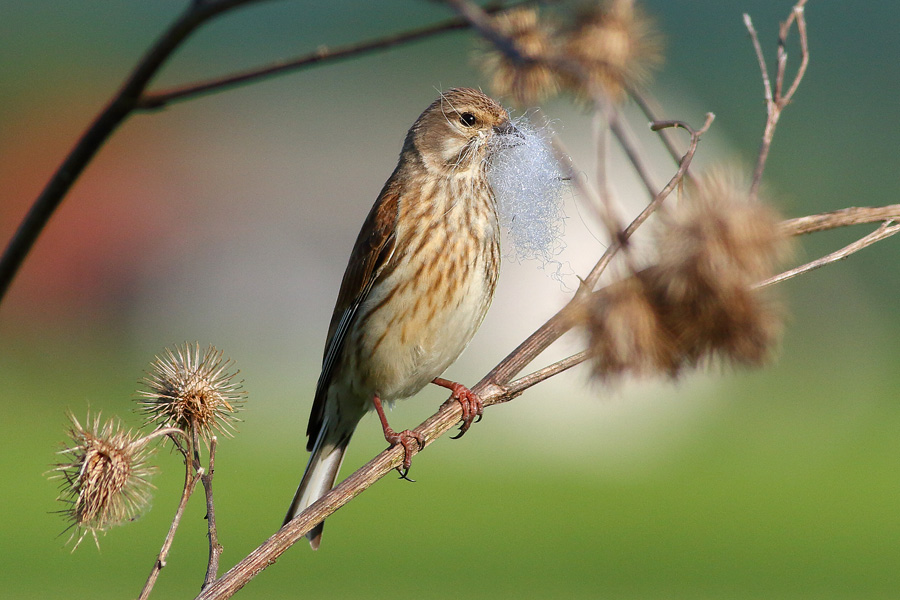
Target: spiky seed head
714, 245
105, 477
716, 233
525, 82
616, 45
192, 391
627, 334
697, 303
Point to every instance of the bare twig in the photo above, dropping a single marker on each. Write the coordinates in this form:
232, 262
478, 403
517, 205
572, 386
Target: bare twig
634, 157
322, 56
776, 101
190, 482
591, 280
517, 387
760, 57
649, 109
844, 217
215, 549
885, 231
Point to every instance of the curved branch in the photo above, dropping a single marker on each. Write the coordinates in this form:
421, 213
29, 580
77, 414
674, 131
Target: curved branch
886, 230
322, 56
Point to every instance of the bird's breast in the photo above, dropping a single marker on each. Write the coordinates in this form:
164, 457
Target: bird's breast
424, 310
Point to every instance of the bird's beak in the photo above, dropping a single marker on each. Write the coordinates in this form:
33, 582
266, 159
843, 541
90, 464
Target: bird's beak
507, 128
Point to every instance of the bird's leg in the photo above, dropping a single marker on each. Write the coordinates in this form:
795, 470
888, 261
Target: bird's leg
471, 404
405, 438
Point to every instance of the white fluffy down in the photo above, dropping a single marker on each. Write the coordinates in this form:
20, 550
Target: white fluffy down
528, 183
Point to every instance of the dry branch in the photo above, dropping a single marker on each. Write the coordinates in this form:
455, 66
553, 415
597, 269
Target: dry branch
320, 57
844, 217
776, 101
215, 549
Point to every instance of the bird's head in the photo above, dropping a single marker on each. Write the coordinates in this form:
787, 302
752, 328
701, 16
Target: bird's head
453, 135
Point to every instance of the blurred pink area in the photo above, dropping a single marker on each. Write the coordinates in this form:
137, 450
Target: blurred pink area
85, 261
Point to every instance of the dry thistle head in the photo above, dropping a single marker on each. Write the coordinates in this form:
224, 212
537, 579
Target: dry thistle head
192, 392
526, 82
717, 236
615, 44
713, 247
627, 333
105, 477
698, 301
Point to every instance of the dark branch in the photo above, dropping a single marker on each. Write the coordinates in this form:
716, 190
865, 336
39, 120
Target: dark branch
322, 56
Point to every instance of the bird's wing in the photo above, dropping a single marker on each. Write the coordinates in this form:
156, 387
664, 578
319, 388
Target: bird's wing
371, 253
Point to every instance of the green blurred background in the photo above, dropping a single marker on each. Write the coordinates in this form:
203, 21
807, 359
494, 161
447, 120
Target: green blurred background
227, 220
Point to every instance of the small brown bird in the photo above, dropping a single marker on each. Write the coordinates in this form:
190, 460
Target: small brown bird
418, 284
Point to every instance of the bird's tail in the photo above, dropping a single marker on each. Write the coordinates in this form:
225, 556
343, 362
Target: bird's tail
318, 479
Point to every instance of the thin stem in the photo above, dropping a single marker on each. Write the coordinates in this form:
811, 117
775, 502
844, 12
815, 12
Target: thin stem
685, 162
844, 217
760, 58
634, 157
517, 387
215, 549
647, 107
190, 482
796, 16
885, 231
320, 57
775, 103
604, 209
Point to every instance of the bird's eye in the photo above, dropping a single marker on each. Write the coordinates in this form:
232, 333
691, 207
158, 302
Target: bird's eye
467, 119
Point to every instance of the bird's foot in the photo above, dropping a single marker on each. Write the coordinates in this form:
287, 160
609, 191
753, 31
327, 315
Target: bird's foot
407, 439
469, 401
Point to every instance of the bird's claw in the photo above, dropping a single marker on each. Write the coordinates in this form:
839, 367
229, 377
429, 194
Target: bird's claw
472, 407
405, 438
